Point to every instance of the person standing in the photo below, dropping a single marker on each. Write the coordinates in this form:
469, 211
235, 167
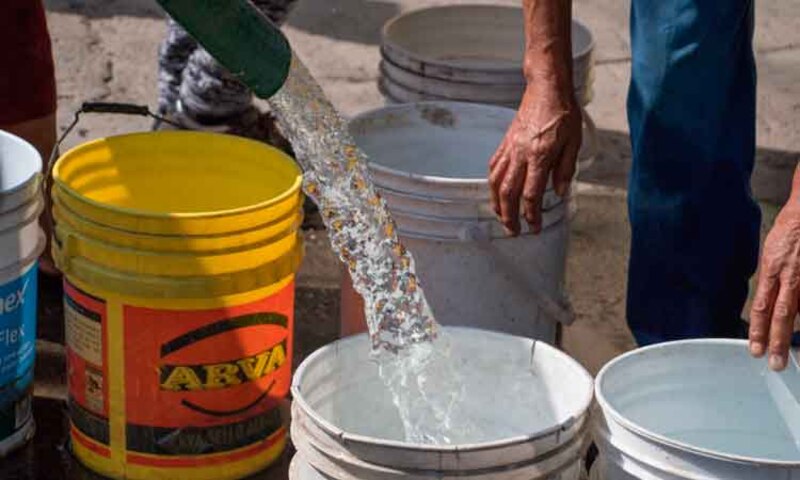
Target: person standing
694, 222
28, 87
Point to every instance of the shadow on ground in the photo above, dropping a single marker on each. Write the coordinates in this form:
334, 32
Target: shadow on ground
106, 8
357, 21
771, 180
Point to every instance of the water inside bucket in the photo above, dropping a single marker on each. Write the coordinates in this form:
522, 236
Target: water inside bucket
707, 395
513, 387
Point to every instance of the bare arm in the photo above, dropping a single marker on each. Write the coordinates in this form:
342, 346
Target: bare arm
544, 138
776, 302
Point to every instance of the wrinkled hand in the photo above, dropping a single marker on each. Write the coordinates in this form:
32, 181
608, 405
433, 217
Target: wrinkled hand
776, 301
543, 140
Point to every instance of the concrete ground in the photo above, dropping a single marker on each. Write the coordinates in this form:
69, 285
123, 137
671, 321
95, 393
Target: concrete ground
106, 50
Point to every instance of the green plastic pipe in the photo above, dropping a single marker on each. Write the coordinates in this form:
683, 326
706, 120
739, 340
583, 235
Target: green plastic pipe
239, 37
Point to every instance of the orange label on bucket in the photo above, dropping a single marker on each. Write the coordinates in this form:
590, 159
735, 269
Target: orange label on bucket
87, 367
206, 381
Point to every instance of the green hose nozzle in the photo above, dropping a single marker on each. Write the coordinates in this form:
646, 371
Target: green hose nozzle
239, 37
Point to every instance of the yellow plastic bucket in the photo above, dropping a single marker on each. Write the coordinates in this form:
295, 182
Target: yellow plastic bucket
179, 250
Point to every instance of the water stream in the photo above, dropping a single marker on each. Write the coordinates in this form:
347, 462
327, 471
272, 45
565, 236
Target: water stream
412, 353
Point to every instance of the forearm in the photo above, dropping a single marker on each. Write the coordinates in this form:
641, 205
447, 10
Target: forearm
548, 43
795, 196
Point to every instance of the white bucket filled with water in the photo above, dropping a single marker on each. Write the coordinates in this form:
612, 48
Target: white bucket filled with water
531, 399
21, 243
697, 409
471, 53
429, 161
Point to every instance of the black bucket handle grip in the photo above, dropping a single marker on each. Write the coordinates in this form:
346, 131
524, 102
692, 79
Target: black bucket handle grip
102, 107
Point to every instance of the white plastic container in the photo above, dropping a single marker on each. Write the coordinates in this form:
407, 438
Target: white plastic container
21, 243
20, 174
346, 427
429, 161
697, 409
468, 53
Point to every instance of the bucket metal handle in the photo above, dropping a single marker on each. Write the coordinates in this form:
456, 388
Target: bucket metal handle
591, 127
91, 107
102, 107
558, 310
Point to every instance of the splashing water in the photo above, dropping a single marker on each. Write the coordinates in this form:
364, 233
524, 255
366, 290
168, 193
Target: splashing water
413, 356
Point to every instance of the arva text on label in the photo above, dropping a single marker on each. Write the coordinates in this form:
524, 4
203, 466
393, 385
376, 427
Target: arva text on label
223, 375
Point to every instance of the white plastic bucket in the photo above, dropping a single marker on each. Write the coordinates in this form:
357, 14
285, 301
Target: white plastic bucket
20, 172
429, 161
346, 427
697, 409
401, 86
21, 243
468, 53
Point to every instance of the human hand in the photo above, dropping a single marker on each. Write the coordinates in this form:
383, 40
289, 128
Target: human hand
778, 292
543, 140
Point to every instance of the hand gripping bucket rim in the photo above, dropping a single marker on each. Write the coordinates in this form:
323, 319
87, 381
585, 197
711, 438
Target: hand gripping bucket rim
631, 426
449, 187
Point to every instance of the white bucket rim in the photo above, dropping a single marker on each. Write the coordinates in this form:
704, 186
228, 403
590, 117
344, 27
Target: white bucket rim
337, 432
399, 93
389, 89
387, 38
60, 186
633, 427
26, 263
19, 438
37, 163
480, 184
551, 462
431, 179
22, 216
499, 93
396, 73
449, 201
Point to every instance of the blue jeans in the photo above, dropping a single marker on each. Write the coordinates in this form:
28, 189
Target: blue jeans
695, 225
